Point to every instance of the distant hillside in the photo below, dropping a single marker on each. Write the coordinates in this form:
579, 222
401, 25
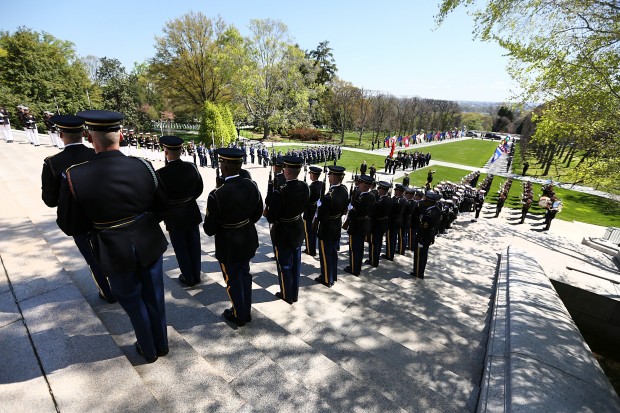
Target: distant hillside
487, 107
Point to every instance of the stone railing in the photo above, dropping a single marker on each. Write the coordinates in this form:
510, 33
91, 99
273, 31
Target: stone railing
537, 360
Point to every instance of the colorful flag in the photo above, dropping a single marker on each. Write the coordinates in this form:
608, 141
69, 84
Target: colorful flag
497, 154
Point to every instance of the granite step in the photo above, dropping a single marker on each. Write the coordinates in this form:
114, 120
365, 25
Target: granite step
64, 331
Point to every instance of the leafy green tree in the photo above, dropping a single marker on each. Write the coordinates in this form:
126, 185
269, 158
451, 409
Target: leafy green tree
212, 126
323, 59
274, 92
565, 53
40, 71
197, 59
229, 123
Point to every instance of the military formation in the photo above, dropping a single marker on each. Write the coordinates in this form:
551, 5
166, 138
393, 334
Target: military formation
406, 160
116, 223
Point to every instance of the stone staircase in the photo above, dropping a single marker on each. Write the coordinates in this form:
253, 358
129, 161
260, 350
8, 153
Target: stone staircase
381, 342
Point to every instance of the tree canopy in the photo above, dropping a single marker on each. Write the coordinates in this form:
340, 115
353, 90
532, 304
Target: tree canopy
565, 53
40, 71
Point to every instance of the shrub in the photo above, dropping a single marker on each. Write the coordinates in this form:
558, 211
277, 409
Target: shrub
302, 134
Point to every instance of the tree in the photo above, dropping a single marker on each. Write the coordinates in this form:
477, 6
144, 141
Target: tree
229, 123
567, 54
323, 60
212, 127
274, 91
40, 71
361, 113
340, 104
198, 59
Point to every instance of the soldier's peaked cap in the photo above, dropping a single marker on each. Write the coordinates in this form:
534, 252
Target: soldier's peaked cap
315, 170
399, 187
384, 184
367, 179
432, 195
336, 169
68, 123
171, 142
292, 161
231, 155
102, 120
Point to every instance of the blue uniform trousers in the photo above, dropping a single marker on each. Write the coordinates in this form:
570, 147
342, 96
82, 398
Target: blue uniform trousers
356, 253
375, 245
288, 262
83, 244
310, 238
141, 294
403, 241
328, 255
239, 287
186, 246
390, 246
420, 256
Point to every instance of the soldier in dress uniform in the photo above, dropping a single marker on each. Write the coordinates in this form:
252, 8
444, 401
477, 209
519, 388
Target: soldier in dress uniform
125, 235
429, 220
379, 222
361, 209
183, 185
232, 211
52, 130
316, 192
74, 152
394, 233
288, 203
331, 207
5, 125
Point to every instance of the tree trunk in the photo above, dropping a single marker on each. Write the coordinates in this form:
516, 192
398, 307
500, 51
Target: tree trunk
571, 153
549, 159
265, 130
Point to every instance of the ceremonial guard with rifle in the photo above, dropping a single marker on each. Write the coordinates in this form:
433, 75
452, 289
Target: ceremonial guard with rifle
183, 184
316, 192
360, 211
331, 207
232, 212
5, 125
286, 207
429, 220
379, 222
395, 226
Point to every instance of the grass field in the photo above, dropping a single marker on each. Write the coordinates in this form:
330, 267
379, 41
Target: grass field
474, 152
578, 206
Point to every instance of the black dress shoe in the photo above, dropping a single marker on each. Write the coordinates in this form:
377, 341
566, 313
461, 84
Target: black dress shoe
110, 300
384, 256
148, 359
185, 281
367, 262
230, 316
320, 281
348, 269
281, 297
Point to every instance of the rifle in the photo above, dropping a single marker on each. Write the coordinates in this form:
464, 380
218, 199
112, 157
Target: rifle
269, 193
218, 178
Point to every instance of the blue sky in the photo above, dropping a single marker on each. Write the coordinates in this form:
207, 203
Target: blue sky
391, 45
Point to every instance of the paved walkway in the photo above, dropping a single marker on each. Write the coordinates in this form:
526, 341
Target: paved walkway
375, 343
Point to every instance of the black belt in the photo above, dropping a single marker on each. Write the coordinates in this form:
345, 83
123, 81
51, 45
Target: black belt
360, 218
381, 219
236, 225
293, 219
334, 216
180, 201
116, 224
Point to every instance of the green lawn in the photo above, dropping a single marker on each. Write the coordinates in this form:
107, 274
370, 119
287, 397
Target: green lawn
578, 206
474, 152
